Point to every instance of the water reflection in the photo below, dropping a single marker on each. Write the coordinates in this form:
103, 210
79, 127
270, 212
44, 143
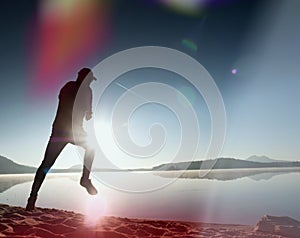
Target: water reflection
8, 181
228, 174
239, 200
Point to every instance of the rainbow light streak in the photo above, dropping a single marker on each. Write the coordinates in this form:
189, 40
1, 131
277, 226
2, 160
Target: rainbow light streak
68, 34
192, 8
189, 44
188, 7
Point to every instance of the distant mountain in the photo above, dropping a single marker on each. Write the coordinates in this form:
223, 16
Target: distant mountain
263, 159
7, 166
224, 163
227, 174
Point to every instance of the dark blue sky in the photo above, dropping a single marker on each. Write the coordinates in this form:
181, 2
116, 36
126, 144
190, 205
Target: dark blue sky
259, 38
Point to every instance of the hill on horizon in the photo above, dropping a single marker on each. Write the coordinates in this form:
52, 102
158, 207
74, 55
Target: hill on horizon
263, 159
7, 166
224, 163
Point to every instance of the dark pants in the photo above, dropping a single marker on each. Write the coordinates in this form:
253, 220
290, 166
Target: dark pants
55, 146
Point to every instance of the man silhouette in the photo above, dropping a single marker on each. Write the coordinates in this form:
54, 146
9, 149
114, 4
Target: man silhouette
65, 126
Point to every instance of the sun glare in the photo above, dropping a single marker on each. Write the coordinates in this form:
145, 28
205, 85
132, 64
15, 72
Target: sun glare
96, 208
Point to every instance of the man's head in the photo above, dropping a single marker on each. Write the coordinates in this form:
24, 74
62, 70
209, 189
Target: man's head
86, 75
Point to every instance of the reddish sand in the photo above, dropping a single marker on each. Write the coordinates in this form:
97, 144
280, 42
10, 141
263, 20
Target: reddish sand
48, 223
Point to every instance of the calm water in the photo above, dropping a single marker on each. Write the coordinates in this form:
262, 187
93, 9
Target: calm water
238, 201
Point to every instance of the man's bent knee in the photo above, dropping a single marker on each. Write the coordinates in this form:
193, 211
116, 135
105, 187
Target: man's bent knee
90, 152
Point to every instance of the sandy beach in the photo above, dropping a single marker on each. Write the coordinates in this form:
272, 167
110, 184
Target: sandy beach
50, 223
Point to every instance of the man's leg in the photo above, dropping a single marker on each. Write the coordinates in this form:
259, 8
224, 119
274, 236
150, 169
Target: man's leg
52, 151
89, 155
85, 181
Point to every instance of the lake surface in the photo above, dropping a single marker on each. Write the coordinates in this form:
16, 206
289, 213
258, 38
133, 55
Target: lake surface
233, 201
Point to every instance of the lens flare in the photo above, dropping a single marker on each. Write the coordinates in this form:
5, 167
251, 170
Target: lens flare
96, 207
191, 7
189, 94
234, 71
67, 35
188, 7
117, 137
189, 44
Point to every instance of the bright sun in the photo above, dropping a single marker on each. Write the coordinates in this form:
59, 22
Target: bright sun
96, 208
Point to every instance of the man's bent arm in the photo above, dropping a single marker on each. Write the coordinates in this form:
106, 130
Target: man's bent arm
89, 112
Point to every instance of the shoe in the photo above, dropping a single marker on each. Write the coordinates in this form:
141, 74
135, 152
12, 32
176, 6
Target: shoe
31, 203
87, 183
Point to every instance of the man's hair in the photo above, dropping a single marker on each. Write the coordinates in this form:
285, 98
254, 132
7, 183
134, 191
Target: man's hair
83, 73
